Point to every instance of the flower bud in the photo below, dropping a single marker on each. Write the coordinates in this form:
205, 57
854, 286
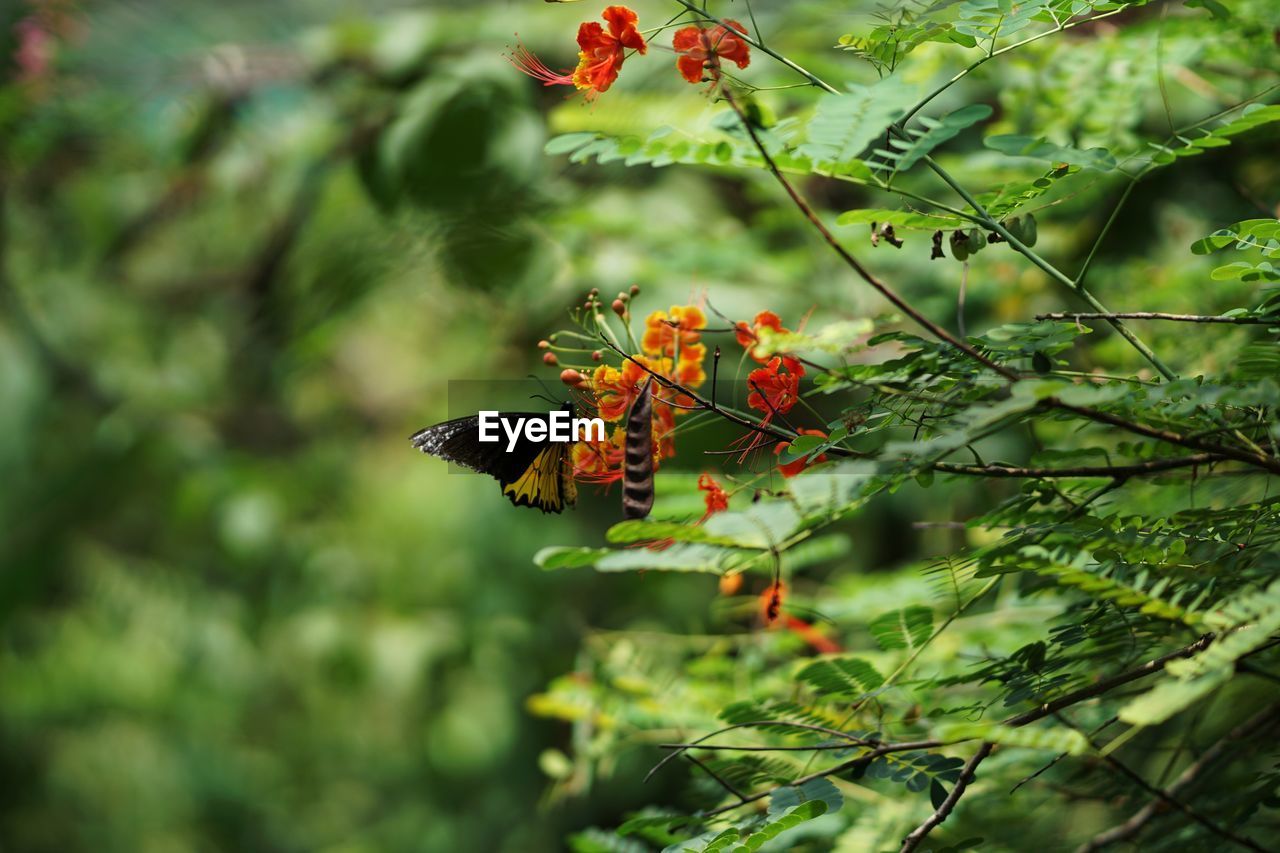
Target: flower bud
544, 344
619, 307
550, 358
571, 377
595, 291
635, 290
597, 355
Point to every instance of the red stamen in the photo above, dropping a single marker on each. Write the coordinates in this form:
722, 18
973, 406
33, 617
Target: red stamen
527, 63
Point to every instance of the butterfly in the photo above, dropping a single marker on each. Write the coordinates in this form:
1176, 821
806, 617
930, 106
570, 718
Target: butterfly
533, 474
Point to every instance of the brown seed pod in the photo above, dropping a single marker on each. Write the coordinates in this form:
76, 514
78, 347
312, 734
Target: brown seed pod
637, 466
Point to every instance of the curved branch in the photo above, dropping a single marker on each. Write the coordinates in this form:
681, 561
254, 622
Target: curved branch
943, 811
1263, 720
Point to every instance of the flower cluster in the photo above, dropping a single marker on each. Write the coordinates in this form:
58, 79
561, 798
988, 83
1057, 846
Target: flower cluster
669, 349
603, 49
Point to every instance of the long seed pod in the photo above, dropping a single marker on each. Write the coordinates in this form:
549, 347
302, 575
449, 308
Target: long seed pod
637, 468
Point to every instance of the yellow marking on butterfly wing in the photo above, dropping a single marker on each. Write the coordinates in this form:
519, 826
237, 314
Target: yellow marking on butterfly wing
540, 484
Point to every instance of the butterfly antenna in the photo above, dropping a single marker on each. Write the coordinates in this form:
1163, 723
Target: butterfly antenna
549, 397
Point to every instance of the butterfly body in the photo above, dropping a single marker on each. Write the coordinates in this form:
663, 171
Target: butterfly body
531, 473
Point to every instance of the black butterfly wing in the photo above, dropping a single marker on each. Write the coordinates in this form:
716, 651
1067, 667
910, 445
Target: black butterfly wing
533, 474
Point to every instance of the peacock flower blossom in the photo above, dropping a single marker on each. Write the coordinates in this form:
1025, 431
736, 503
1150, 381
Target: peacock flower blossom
601, 53
599, 461
715, 498
664, 431
749, 335
616, 389
666, 332
774, 390
772, 615
703, 50
790, 469
771, 602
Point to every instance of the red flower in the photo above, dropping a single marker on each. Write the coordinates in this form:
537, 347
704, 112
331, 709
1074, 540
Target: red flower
773, 617
771, 602
773, 390
701, 49
601, 53
749, 336
820, 642
716, 499
790, 469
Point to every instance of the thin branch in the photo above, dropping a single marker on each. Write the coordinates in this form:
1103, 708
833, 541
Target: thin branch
1108, 722
1261, 721
1165, 796
912, 841
1257, 459
1040, 712
1160, 315
725, 747
883, 289
1152, 466
724, 783
1108, 684
681, 748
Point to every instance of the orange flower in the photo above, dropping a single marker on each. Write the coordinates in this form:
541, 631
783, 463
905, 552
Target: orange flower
701, 49
716, 499
819, 641
663, 330
771, 602
599, 461
773, 390
601, 53
773, 617
790, 469
616, 389
749, 336
664, 428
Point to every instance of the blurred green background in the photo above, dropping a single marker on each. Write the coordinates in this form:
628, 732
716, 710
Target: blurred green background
244, 248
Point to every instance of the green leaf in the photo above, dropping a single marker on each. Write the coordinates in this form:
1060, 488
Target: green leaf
1041, 149
560, 557
765, 525
788, 820
1055, 739
1243, 624
567, 143
841, 676
1250, 233
936, 132
899, 219
791, 796
642, 530
680, 557
908, 628
845, 124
